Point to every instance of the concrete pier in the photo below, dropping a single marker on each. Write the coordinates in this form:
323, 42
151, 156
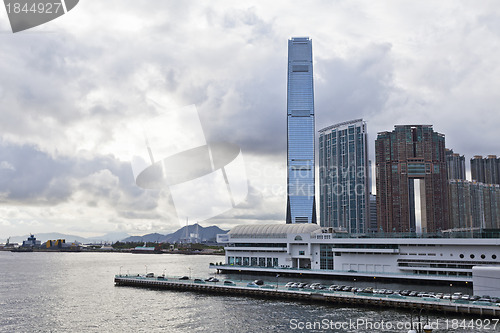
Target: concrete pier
323, 296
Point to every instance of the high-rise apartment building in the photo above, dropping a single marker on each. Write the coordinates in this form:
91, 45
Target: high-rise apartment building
477, 168
411, 178
474, 205
344, 177
300, 122
455, 164
485, 170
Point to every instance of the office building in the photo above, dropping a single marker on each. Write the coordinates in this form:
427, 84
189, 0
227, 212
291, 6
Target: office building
411, 178
300, 122
343, 177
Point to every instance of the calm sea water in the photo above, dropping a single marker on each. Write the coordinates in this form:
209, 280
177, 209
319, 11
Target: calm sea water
74, 292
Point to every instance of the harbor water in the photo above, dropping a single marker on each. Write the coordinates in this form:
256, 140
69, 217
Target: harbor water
71, 292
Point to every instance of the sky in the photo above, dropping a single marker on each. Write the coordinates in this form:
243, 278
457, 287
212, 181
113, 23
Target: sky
74, 91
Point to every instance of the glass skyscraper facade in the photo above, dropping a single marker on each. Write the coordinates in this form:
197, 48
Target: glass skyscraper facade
300, 122
344, 177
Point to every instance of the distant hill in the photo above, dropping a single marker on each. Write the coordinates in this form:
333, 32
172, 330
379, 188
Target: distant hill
43, 237
156, 238
194, 233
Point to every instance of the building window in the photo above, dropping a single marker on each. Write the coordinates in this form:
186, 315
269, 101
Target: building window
301, 253
472, 256
262, 262
483, 256
461, 256
238, 261
254, 261
269, 262
494, 256
246, 261
275, 262
326, 257
230, 260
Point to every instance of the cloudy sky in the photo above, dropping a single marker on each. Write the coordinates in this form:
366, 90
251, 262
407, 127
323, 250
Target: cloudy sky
72, 90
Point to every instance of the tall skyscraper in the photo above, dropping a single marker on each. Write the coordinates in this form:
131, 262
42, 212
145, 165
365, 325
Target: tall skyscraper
300, 122
344, 177
411, 165
455, 164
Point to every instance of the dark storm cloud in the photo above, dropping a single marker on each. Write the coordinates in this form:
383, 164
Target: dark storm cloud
354, 87
29, 176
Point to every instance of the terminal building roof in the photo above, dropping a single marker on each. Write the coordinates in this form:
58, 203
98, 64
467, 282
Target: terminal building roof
272, 230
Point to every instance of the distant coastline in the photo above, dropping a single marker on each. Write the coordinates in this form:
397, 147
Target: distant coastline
185, 252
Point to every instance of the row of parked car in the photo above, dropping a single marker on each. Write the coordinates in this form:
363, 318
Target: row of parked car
411, 293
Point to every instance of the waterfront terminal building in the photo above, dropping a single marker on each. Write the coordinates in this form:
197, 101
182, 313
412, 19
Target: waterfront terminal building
308, 249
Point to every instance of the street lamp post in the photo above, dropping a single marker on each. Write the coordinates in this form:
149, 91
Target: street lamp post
277, 277
121, 270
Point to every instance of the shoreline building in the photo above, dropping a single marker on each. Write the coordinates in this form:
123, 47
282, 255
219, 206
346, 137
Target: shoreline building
307, 250
301, 204
412, 182
344, 177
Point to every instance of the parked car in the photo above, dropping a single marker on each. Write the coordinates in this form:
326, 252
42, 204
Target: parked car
332, 287
289, 284
150, 275
229, 283
212, 279
456, 296
446, 296
259, 282
268, 286
198, 281
184, 278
